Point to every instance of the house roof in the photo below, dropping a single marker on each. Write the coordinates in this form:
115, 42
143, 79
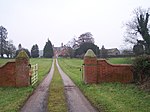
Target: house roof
112, 50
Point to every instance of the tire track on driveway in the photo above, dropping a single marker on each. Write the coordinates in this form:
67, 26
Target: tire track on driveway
38, 101
75, 99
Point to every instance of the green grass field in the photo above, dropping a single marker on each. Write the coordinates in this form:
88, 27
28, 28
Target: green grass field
11, 99
120, 60
109, 97
4, 61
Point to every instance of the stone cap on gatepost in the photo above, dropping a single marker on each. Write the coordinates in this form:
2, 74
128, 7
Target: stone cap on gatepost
22, 54
90, 58
90, 53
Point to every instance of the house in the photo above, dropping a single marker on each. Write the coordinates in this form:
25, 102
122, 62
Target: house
40, 53
113, 52
109, 52
63, 51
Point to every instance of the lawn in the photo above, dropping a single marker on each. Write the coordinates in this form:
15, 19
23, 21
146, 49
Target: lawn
11, 99
43, 66
127, 60
4, 61
110, 97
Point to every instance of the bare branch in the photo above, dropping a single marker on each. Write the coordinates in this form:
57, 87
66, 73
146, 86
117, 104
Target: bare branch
139, 25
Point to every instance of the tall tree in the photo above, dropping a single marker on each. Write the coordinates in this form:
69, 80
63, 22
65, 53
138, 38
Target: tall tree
35, 51
83, 38
48, 50
103, 52
21, 48
3, 37
84, 47
10, 49
26, 50
139, 26
138, 49
86, 37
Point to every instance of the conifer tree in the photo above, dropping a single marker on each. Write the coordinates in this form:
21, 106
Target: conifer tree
48, 50
35, 51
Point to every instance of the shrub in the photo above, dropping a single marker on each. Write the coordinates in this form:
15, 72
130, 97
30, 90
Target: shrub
141, 68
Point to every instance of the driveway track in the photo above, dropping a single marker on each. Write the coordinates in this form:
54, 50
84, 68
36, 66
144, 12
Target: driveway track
75, 99
39, 100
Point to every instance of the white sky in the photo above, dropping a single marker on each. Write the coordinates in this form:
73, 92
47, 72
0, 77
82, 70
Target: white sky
32, 22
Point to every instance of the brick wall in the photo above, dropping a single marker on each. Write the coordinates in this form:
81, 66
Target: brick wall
7, 74
90, 69
97, 71
114, 72
16, 74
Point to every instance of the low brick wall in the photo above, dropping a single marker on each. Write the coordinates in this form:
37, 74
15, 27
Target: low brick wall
114, 72
16, 74
7, 74
97, 71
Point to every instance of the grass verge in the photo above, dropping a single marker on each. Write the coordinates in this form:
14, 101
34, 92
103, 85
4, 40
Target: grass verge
110, 97
11, 99
57, 101
127, 60
3, 61
44, 65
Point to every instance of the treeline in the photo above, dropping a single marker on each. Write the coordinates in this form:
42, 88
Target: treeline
7, 48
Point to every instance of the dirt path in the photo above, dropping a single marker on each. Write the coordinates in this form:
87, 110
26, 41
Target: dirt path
38, 101
75, 99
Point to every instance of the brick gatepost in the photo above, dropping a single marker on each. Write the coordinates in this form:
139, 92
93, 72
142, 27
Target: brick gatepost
90, 67
22, 69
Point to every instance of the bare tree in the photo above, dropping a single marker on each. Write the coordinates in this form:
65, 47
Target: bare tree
138, 28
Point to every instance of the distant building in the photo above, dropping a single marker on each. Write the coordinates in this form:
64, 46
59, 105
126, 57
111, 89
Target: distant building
63, 51
113, 52
41, 53
58, 51
104, 53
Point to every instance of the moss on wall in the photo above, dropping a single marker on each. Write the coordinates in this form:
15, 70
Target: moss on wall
90, 53
22, 54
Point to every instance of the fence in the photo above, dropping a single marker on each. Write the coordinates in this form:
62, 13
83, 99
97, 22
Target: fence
34, 76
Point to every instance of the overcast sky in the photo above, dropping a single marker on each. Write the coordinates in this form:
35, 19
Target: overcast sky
32, 22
